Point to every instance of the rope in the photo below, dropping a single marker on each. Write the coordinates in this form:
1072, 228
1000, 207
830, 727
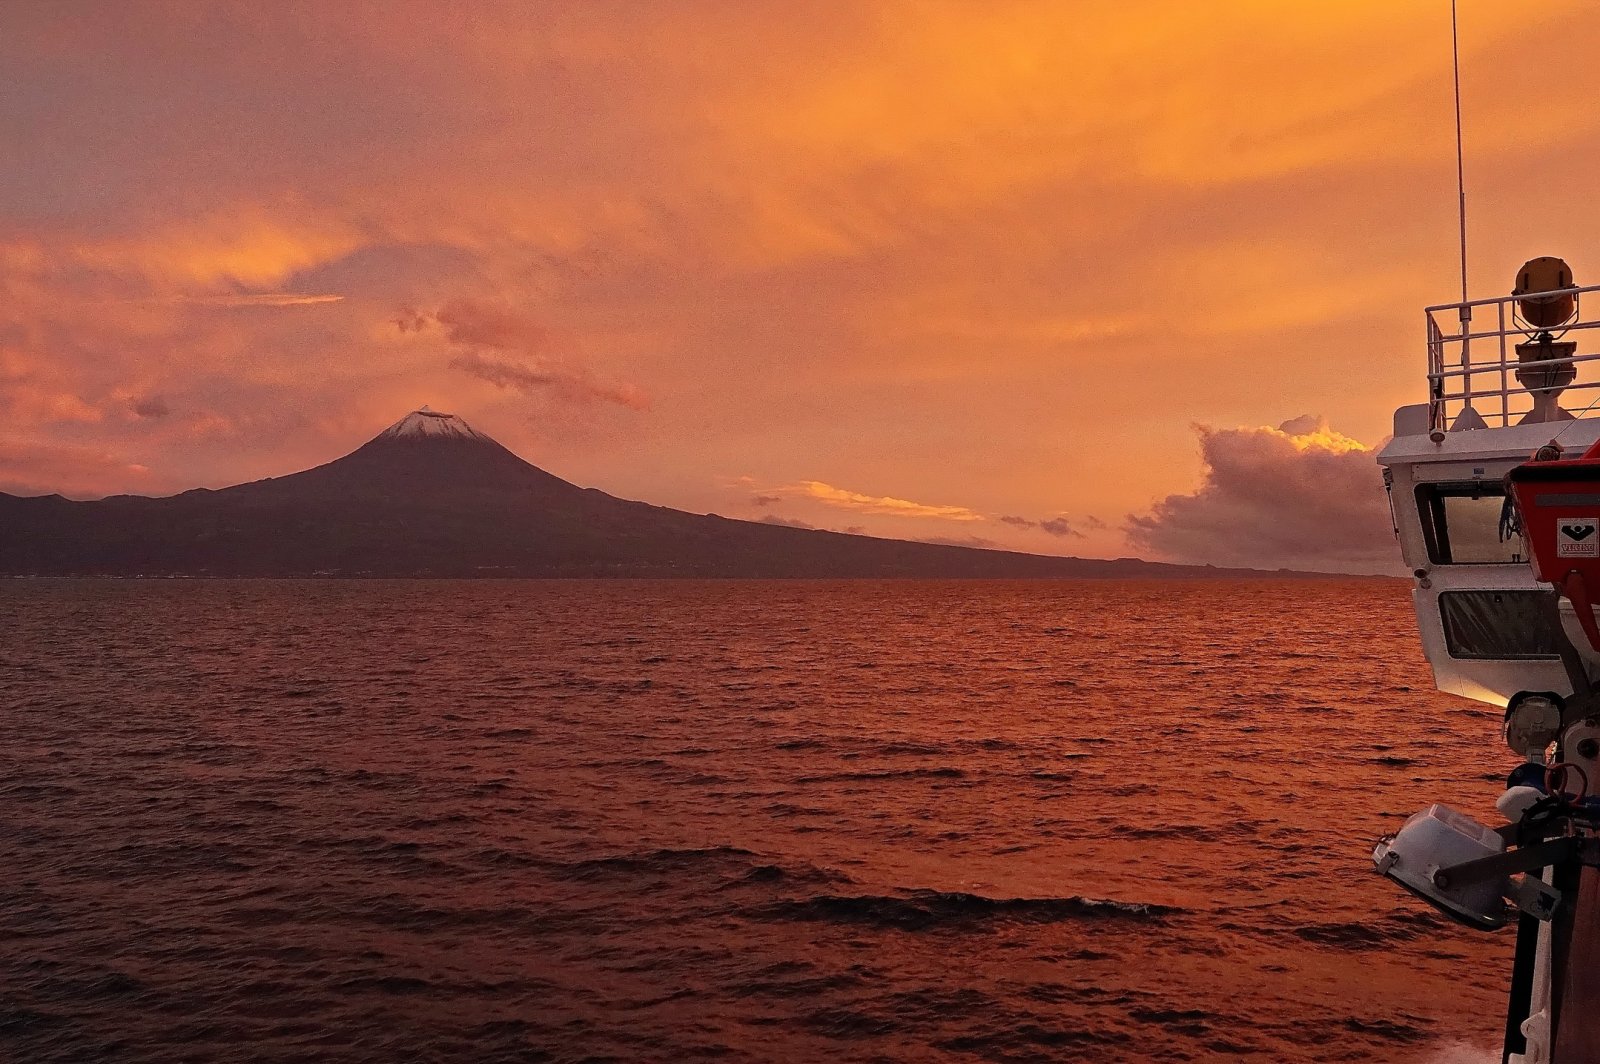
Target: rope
1576, 418
1510, 520
1555, 781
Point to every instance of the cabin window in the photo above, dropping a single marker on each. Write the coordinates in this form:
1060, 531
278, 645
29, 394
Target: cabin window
1498, 624
1468, 524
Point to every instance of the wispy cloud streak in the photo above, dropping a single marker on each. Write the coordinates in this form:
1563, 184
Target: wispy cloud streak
566, 383
260, 299
483, 330
883, 505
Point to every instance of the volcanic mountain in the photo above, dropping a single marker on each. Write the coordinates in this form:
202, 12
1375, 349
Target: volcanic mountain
431, 496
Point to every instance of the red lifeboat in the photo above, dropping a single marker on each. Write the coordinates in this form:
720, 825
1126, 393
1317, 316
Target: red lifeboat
1559, 503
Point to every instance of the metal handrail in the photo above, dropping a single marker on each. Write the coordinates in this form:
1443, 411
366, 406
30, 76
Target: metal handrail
1513, 299
1493, 333
1450, 357
1485, 367
1495, 391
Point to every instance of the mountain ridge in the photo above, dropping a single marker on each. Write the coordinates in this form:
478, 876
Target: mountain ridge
431, 496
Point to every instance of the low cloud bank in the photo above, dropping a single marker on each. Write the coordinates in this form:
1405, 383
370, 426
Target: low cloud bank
769, 497
843, 499
978, 542
1299, 496
1059, 526
38, 468
785, 522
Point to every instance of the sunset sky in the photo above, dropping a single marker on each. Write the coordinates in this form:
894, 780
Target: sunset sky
1076, 278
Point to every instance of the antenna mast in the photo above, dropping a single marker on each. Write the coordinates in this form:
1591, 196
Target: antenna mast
1461, 170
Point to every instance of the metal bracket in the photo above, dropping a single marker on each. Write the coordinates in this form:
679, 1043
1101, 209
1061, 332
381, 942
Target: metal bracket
1529, 891
1526, 859
1579, 705
1535, 897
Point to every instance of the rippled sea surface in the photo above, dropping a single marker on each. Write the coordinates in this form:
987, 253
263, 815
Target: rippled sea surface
616, 821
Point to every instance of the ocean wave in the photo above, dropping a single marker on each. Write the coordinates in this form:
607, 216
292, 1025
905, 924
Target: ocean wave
921, 910
776, 873
653, 861
945, 773
1028, 1039
1369, 934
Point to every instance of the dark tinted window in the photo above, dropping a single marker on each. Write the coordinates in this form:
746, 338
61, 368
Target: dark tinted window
1464, 524
1498, 624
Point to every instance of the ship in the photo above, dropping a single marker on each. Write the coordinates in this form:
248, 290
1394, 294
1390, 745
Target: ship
1494, 488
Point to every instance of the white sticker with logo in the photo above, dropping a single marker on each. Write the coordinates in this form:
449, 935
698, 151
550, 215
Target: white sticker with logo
1578, 537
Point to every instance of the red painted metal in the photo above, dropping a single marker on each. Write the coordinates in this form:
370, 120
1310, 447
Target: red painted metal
1559, 503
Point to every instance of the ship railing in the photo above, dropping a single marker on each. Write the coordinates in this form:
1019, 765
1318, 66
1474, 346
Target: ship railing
1473, 360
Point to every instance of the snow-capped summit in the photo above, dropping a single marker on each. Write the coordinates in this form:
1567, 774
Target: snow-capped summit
431, 424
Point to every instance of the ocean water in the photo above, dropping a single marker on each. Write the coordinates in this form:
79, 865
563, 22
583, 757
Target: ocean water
733, 821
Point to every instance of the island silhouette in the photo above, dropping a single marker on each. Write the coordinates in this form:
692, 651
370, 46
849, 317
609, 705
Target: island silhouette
430, 496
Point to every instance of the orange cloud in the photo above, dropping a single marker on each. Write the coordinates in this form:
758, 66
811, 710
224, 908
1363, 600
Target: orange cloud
261, 299
254, 247
884, 505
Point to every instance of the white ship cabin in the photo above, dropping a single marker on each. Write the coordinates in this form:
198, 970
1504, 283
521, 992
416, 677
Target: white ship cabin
1506, 376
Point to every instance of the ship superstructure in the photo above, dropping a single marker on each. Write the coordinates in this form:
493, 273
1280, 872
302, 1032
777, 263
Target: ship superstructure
1498, 518
1495, 396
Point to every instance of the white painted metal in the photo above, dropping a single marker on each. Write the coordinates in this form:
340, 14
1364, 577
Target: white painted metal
1478, 456
1440, 837
1536, 1028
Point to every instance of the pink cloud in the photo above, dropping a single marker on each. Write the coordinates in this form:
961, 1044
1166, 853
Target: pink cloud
482, 331
549, 378
1298, 496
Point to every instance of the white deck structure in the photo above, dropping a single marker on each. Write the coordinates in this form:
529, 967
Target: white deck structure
1485, 621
